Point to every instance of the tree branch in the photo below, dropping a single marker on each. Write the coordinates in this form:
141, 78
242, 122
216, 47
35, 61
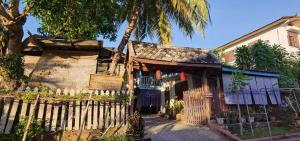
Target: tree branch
25, 11
4, 14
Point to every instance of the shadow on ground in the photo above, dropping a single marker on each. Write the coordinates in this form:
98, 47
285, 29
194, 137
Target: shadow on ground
160, 129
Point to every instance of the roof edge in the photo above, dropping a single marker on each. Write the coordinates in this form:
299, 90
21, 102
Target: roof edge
257, 31
250, 72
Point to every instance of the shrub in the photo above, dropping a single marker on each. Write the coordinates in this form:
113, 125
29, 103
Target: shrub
265, 57
178, 107
115, 138
12, 67
34, 133
136, 126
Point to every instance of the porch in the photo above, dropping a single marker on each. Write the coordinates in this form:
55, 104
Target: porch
161, 74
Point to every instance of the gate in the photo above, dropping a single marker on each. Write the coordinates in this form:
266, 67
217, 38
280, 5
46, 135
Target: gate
150, 101
196, 107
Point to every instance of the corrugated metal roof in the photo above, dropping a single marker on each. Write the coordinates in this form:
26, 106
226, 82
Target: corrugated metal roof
250, 72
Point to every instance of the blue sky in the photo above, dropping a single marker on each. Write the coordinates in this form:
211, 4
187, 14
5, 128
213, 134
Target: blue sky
230, 20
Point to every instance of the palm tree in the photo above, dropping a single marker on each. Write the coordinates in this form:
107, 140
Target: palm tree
154, 18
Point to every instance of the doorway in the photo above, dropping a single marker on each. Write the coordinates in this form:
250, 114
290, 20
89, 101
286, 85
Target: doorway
149, 101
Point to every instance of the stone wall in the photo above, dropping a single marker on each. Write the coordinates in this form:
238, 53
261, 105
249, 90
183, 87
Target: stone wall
61, 69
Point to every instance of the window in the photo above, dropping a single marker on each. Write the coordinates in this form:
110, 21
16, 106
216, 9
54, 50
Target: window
293, 39
229, 56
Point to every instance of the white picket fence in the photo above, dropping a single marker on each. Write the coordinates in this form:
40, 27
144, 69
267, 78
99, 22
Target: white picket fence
64, 114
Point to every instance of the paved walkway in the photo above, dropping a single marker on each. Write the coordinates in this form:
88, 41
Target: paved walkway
160, 129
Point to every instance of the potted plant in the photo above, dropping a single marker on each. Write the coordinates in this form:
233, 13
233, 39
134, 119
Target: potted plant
297, 120
178, 108
220, 119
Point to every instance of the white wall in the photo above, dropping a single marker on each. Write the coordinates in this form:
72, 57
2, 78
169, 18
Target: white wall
277, 35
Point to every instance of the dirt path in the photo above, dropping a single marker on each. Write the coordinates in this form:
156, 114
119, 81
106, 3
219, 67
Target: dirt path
160, 129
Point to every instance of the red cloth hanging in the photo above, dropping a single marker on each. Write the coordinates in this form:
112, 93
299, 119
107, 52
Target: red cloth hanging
182, 76
158, 74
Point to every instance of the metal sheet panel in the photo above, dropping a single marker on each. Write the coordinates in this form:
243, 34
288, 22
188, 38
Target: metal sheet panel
256, 84
275, 87
262, 89
229, 97
246, 94
270, 91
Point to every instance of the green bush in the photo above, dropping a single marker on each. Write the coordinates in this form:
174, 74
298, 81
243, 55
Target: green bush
115, 138
34, 133
265, 57
178, 107
12, 67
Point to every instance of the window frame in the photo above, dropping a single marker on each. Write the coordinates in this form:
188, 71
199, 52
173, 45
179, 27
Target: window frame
293, 39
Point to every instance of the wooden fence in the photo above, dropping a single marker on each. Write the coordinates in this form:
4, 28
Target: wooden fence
196, 110
64, 114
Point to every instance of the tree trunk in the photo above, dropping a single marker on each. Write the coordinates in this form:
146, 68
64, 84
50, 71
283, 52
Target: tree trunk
14, 24
240, 115
126, 36
14, 43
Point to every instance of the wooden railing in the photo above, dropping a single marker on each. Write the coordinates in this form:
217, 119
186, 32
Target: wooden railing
65, 114
148, 82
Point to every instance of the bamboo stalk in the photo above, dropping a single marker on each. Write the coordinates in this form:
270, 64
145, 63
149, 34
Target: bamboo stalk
83, 120
30, 118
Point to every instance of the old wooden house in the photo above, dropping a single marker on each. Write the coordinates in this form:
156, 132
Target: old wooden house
162, 73
76, 64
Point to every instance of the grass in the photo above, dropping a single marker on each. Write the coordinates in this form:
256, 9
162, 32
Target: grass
264, 132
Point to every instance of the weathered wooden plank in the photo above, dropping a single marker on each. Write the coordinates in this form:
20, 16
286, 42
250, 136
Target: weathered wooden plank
63, 116
83, 106
126, 112
113, 113
70, 115
1, 106
95, 115
89, 116
101, 115
48, 116
54, 117
31, 108
99, 81
118, 113
41, 110
24, 109
107, 114
4, 115
64, 107
77, 115
12, 116
71, 111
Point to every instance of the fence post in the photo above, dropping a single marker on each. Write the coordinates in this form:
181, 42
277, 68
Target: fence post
208, 102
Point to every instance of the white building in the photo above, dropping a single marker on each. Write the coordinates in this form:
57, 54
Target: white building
284, 31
